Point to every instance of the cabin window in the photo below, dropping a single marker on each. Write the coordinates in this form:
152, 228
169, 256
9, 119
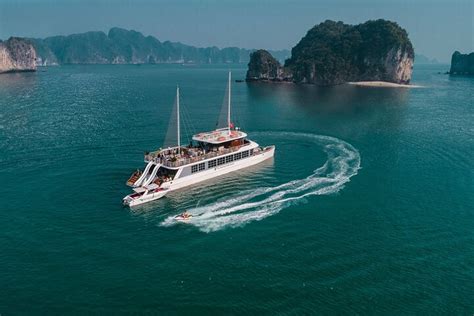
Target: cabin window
245, 154
237, 156
199, 167
212, 163
251, 152
221, 161
229, 158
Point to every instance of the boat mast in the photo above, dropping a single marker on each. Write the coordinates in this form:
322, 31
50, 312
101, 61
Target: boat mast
177, 118
228, 103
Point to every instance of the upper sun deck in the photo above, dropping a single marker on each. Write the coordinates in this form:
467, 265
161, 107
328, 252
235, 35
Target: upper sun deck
219, 136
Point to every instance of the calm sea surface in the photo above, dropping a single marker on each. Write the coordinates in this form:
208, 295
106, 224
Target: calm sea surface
367, 206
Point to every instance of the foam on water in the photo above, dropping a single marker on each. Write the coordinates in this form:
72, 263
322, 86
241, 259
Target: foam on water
343, 162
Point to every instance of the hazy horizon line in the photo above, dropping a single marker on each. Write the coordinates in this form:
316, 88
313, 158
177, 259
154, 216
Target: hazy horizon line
135, 30
183, 43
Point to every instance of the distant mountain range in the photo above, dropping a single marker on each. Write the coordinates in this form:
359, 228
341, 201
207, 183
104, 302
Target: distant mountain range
423, 60
122, 46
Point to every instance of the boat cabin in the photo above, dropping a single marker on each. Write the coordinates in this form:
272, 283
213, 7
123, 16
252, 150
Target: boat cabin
219, 136
219, 139
203, 146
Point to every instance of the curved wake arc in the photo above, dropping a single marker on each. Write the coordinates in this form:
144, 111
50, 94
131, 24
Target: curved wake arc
343, 162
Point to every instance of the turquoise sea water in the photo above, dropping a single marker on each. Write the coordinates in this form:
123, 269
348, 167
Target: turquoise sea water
367, 207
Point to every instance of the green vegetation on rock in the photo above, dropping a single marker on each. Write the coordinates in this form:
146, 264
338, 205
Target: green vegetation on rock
263, 66
333, 53
462, 64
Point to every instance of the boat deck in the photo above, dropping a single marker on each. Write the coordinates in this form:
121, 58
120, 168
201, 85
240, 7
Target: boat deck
219, 136
188, 155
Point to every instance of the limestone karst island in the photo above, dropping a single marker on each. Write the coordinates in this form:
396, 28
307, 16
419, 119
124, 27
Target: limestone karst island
462, 64
332, 53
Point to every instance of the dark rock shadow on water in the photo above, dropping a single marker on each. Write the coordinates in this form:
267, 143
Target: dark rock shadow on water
360, 108
335, 99
12, 81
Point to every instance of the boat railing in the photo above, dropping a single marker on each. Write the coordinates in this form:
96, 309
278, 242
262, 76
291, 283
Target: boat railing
167, 162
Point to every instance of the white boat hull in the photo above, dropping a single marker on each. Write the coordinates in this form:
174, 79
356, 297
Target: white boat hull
219, 170
201, 176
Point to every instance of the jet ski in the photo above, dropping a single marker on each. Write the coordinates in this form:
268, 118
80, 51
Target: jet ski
183, 217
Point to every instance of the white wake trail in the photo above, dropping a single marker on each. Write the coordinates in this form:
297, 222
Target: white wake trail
343, 162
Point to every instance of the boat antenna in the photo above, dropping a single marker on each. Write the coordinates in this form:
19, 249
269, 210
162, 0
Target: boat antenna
177, 118
228, 103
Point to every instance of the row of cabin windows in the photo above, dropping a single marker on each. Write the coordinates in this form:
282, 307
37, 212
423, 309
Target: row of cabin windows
227, 159
198, 167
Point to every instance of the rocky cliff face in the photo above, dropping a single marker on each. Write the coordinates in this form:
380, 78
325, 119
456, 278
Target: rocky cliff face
17, 54
333, 53
462, 64
398, 66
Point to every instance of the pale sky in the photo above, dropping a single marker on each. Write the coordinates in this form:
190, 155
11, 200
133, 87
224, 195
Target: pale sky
436, 28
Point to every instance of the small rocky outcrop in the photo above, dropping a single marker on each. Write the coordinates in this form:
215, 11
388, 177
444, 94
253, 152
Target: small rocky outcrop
17, 54
462, 64
264, 67
333, 53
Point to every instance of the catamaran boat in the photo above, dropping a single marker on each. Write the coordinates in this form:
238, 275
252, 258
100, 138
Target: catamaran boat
209, 155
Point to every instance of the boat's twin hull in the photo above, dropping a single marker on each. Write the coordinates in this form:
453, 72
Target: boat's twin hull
206, 175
